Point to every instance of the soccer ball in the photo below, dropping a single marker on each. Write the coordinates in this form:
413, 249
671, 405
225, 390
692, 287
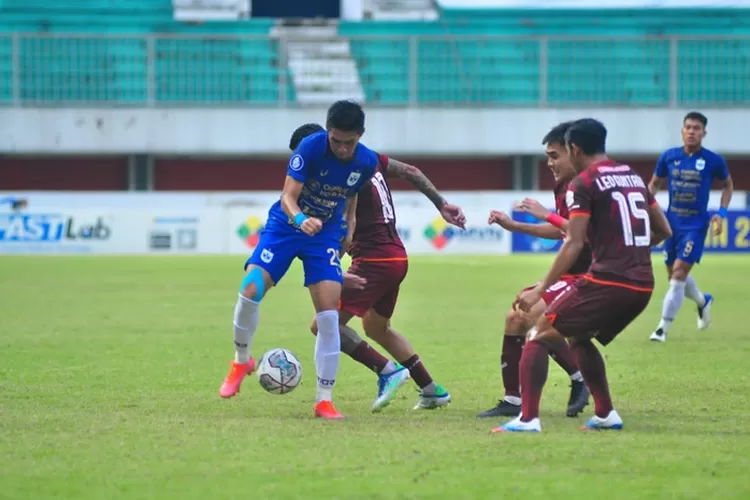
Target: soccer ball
279, 371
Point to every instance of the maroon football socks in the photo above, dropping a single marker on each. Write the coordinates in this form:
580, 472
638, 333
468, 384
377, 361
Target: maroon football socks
592, 368
369, 357
510, 361
533, 369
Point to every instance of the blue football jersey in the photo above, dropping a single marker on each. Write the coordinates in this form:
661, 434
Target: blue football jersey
689, 179
328, 181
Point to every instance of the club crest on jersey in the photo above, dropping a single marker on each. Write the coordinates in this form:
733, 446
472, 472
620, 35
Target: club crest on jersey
353, 178
296, 163
700, 164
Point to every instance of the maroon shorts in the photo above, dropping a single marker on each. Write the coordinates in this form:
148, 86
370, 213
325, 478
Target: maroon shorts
384, 279
551, 293
594, 309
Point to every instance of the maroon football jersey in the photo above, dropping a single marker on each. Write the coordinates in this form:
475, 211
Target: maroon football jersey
583, 262
617, 201
375, 235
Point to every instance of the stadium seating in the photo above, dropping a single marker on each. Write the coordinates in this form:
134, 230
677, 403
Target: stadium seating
467, 57
74, 63
475, 57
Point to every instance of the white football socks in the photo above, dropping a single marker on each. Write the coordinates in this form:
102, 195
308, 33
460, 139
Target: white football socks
672, 303
693, 292
245, 324
327, 353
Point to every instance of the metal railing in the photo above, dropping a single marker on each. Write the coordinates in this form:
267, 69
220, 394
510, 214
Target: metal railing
72, 70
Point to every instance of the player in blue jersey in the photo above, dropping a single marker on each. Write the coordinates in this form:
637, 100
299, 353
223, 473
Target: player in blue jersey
690, 171
324, 175
380, 262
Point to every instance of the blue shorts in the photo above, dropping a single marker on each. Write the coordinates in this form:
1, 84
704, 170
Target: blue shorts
319, 255
685, 245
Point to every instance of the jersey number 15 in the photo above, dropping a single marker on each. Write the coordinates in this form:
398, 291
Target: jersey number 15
629, 210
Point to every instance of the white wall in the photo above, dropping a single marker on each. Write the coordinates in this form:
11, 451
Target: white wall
398, 131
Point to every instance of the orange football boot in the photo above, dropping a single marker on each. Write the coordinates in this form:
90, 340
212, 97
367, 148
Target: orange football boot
237, 373
326, 410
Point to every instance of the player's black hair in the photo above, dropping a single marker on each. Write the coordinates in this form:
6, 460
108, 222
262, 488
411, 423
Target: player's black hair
695, 115
302, 132
347, 116
557, 134
588, 134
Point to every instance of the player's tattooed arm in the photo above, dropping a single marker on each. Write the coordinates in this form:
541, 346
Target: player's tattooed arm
416, 178
655, 184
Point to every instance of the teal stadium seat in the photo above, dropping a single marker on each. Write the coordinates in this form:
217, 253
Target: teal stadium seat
714, 72
383, 69
493, 57
613, 73
67, 60
6, 69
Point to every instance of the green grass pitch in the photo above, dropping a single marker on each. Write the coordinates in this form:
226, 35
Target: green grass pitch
110, 368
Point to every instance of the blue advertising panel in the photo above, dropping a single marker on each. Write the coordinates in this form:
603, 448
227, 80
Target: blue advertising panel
734, 238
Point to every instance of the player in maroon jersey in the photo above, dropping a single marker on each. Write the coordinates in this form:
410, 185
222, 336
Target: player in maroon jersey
379, 259
518, 323
611, 206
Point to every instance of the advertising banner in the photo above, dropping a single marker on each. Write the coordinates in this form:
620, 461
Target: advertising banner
64, 232
734, 238
110, 232
221, 223
423, 232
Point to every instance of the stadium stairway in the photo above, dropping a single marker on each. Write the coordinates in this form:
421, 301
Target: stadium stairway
414, 10
320, 64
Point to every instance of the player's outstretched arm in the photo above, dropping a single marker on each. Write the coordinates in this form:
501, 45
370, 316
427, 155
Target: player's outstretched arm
660, 229
544, 230
416, 178
537, 210
451, 213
